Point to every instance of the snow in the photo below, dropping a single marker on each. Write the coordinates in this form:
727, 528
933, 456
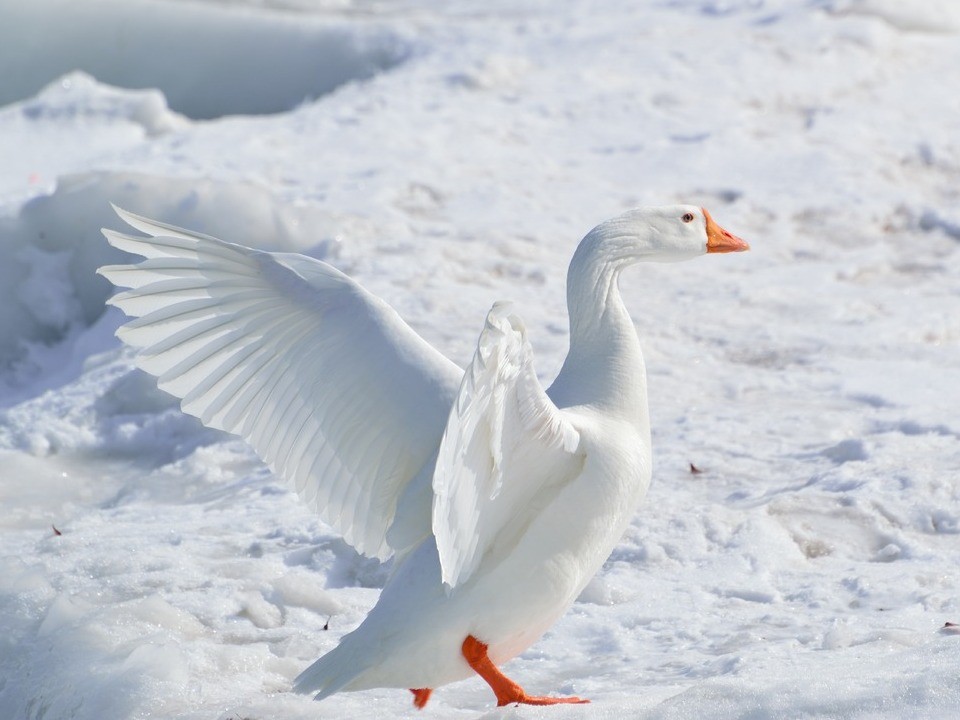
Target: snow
449, 155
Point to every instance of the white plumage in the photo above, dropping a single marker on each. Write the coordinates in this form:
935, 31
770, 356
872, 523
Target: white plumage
499, 499
505, 444
317, 374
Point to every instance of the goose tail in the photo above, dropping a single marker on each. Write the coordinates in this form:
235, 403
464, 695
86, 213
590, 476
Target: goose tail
333, 672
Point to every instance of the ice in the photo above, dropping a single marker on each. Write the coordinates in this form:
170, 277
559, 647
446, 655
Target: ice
451, 155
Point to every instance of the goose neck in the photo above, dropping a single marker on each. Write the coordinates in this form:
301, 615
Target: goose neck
604, 367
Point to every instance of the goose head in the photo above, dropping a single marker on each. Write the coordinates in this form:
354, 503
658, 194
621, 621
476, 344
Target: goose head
605, 365
664, 234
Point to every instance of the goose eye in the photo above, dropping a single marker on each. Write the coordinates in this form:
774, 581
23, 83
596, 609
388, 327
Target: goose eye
687, 217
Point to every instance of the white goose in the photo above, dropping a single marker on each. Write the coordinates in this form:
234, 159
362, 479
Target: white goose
498, 500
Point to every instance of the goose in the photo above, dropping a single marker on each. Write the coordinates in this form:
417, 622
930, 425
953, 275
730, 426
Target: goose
498, 500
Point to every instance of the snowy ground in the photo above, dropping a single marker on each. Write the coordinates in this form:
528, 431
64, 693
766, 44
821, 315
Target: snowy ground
448, 155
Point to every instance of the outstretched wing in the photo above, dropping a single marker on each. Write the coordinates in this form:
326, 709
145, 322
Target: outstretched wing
506, 450
333, 390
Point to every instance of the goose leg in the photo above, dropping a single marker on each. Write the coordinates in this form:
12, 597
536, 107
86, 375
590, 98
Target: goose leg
506, 690
420, 696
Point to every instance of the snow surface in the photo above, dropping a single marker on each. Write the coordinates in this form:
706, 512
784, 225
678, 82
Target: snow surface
448, 155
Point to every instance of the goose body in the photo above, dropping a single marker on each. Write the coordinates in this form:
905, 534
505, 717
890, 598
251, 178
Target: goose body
499, 499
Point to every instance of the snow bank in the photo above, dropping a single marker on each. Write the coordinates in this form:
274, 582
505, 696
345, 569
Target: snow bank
77, 96
52, 248
208, 60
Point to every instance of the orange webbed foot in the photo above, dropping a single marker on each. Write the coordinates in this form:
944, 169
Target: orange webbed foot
420, 696
506, 690
545, 700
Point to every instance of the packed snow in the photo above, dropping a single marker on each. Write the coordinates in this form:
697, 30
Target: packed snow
797, 554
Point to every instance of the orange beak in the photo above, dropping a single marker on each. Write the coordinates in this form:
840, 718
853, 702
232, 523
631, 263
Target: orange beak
719, 240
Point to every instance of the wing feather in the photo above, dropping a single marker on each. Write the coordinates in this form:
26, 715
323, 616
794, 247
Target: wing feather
331, 388
506, 449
